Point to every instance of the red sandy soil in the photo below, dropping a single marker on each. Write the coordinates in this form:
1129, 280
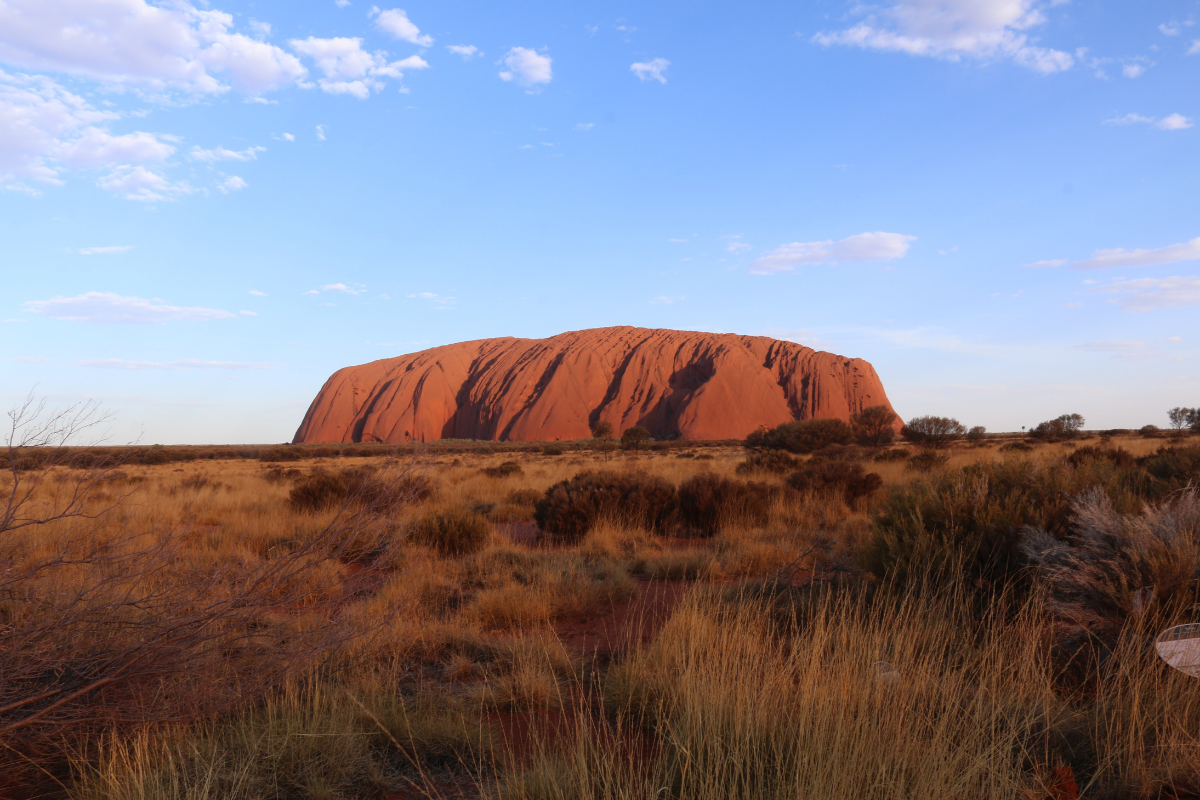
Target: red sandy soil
674, 383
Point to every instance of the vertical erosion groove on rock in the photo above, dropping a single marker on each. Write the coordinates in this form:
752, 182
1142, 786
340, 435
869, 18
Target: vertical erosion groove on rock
673, 383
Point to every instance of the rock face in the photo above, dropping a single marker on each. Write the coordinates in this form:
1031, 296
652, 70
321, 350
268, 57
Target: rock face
674, 383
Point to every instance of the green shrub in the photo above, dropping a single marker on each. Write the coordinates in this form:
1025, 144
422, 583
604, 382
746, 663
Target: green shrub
1016, 447
873, 426
635, 438
553, 450
1119, 456
932, 431
456, 532
571, 507
709, 502
845, 477
977, 434
317, 491
524, 497
775, 462
1173, 468
802, 436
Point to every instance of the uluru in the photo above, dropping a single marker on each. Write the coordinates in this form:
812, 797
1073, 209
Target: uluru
676, 384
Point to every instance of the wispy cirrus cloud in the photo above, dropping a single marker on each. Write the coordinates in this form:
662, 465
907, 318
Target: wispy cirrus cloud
877, 246
104, 251
111, 308
221, 154
1171, 122
1120, 257
1150, 294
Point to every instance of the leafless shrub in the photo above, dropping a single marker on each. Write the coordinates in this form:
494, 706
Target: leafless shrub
103, 625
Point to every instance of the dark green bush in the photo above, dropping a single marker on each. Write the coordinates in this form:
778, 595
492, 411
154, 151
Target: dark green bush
635, 438
709, 502
456, 532
1173, 468
553, 450
1119, 456
571, 507
1016, 447
776, 462
802, 436
847, 478
874, 426
932, 431
977, 434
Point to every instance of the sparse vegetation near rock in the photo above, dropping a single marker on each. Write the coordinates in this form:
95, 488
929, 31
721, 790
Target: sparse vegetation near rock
503, 470
317, 492
892, 454
635, 438
802, 436
553, 450
926, 461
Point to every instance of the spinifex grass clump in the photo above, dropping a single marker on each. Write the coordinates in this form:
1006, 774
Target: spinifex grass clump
846, 478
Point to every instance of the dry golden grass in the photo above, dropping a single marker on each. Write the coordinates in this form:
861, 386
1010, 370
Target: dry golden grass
743, 694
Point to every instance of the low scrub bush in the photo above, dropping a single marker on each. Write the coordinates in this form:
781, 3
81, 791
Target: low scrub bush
708, 502
892, 454
523, 497
802, 436
569, 508
553, 450
926, 461
874, 426
504, 470
317, 492
455, 532
847, 478
1173, 468
1016, 447
1118, 456
933, 431
775, 462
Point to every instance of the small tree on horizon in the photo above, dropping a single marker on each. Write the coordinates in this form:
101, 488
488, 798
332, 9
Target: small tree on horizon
931, 431
635, 437
874, 426
1183, 418
602, 430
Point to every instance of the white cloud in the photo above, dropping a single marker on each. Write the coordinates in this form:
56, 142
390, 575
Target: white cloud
287, 137
1170, 28
668, 300
104, 251
221, 154
1174, 122
1195, 48
246, 313
877, 246
139, 183
107, 307
736, 247
311, 292
186, 363
526, 67
1120, 257
257, 293
349, 69
1053, 262
1148, 294
320, 133
584, 126
341, 287
341, 3
1171, 122
232, 184
97, 148
954, 29
651, 70
1133, 70
678, 241
467, 51
136, 43
397, 23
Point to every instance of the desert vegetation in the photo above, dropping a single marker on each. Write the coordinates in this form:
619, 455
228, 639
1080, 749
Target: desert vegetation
820, 612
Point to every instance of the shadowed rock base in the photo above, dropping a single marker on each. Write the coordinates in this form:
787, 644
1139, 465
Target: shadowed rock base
674, 383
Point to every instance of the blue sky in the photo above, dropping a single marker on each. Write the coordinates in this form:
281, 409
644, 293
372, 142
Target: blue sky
210, 208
